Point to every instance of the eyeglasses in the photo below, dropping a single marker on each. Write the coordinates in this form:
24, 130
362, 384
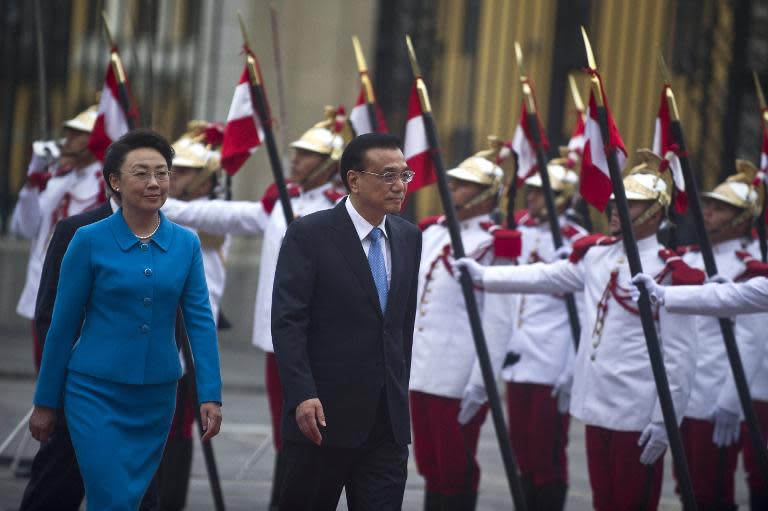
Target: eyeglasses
144, 175
405, 176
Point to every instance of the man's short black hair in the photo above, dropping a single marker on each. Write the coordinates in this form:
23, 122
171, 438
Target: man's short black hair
353, 157
136, 139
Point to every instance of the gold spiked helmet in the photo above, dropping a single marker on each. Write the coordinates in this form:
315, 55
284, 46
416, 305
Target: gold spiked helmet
84, 121
741, 191
482, 168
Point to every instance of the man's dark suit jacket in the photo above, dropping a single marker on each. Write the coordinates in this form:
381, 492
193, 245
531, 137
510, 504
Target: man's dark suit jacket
331, 339
49, 278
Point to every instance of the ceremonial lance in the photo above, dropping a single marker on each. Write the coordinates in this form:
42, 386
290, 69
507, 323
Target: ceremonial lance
119, 71
532, 119
644, 305
726, 326
259, 99
510, 465
365, 79
764, 182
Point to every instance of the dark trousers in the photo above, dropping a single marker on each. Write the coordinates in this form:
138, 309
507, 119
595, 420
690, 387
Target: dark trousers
55, 482
373, 473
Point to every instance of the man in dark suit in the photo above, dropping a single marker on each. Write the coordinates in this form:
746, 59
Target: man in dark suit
55, 481
344, 304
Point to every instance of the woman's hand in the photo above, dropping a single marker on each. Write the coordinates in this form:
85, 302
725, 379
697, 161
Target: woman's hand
211, 419
41, 423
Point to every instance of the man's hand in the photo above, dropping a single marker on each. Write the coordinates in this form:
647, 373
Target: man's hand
655, 291
41, 423
654, 436
727, 427
210, 413
474, 398
309, 414
474, 269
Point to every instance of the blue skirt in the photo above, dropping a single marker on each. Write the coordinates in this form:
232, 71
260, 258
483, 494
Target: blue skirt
118, 431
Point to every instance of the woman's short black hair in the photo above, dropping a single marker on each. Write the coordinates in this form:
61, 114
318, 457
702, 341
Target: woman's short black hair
353, 157
136, 139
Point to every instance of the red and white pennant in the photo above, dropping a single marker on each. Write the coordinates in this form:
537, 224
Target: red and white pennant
664, 146
416, 147
243, 133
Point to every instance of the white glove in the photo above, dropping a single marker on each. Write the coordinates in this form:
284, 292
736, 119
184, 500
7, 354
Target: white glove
474, 397
719, 279
44, 152
727, 427
654, 436
475, 269
655, 290
562, 392
563, 252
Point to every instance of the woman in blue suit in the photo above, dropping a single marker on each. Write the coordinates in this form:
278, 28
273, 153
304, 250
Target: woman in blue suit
110, 357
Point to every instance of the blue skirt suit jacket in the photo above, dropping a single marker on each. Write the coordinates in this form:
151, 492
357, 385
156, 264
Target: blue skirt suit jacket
111, 351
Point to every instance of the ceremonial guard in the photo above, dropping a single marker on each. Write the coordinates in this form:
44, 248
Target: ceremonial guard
613, 386
540, 350
63, 179
314, 164
447, 394
712, 421
195, 178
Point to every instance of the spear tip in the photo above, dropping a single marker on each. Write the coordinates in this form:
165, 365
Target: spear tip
243, 30
665, 75
575, 93
519, 59
759, 90
107, 31
590, 55
359, 56
412, 56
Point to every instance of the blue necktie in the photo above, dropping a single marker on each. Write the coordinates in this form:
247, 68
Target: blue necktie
378, 268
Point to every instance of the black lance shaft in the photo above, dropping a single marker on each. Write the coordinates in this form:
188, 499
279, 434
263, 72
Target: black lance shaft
646, 318
259, 99
554, 224
507, 456
42, 82
370, 108
210, 459
726, 327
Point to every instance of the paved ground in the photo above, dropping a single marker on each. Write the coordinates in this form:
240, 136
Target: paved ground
246, 420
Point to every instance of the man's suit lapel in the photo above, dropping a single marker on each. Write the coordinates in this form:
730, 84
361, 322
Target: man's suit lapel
350, 247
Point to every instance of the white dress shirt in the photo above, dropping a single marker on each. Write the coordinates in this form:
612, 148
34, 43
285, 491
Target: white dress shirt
364, 228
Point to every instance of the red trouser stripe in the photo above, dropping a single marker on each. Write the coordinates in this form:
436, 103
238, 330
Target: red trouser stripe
445, 451
538, 433
618, 480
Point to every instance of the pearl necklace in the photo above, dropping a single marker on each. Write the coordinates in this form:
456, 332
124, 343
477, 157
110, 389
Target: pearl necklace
151, 233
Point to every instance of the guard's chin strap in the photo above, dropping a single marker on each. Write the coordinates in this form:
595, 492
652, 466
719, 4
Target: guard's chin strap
477, 199
744, 216
321, 167
647, 214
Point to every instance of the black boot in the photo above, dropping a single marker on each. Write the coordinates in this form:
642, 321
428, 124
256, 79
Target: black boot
431, 501
529, 492
458, 502
277, 481
551, 497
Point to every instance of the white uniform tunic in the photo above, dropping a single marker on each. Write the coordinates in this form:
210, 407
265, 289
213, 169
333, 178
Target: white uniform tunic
443, 347
713, 384
538, 326
306, 203
37, 213
613, 383
759, 386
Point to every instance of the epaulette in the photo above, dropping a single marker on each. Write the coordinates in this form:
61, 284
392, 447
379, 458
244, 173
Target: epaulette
754, 267
688, 249
571, 233
523, 218
333, 195
681, 273
271, 195
582, 245
429, 221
